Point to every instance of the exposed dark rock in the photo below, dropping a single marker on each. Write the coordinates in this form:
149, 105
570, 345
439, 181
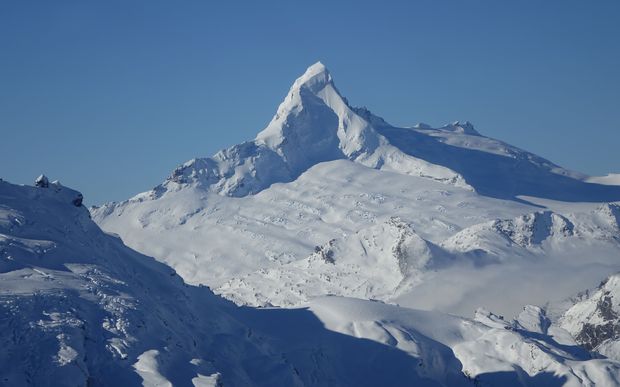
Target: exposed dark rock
42, 182
78, 200
325, 252
591, 336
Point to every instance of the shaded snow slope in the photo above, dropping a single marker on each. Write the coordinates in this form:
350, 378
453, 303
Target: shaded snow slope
80, 308
77, 307
497, 169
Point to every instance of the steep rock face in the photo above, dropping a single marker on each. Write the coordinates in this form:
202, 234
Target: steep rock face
462, 127
533, 229
237, 171
595, 321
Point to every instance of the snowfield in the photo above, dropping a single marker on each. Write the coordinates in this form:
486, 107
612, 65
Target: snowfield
334, 249
331, 199
80, 308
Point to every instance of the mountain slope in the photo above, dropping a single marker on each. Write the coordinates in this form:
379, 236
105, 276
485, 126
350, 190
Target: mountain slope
595, 321
80, 308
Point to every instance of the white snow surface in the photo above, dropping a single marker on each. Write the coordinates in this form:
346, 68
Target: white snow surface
609, 179
331, 199
80, 308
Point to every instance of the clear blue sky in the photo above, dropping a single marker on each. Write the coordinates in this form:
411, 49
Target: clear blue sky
110, 96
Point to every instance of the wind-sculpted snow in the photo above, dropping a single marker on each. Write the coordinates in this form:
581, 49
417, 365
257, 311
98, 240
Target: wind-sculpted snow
77, 307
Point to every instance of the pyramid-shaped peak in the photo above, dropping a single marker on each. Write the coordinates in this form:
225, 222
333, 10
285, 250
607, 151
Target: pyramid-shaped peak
315, 77
316, 68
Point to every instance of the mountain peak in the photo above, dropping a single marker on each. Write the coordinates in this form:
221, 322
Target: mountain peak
315, 124
315, 78
316, 68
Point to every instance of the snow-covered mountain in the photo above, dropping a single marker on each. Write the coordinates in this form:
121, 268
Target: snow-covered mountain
79, 308
331, 199
595, 320
316, 124
313, 124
